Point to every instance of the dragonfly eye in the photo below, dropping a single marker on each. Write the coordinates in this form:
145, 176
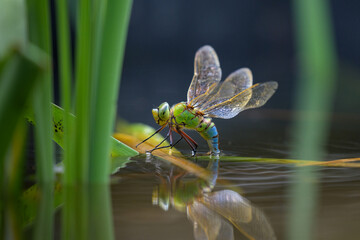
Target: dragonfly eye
162, 113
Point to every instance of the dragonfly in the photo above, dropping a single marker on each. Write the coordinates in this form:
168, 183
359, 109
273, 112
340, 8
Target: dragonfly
209, 98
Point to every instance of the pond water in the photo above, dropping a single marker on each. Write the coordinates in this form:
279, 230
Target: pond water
153, 199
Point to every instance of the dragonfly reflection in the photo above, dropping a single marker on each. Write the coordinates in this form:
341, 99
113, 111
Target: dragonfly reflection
213, 213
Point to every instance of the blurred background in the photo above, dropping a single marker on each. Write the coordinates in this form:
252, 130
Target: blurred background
164, 36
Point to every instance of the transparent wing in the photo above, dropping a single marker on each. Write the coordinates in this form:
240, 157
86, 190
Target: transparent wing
207, 74
208, 225
253, 97
234, 84
248, 219
229, 204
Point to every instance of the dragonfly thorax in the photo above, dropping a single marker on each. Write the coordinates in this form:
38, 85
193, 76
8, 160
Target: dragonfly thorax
185, 116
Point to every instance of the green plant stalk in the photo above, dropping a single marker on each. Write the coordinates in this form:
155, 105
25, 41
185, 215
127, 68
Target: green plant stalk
65, 90
99, 7
14, 92
76, 209
79, 163
13, 181
13, 29
14, 95
64, 75
40, 35
112, 24
107, 81
317, 74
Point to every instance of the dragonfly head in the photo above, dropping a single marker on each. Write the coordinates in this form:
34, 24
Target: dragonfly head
162, 113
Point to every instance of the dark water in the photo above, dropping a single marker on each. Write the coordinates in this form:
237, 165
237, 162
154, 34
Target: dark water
266, 186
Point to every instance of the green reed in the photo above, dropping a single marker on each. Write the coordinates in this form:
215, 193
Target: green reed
65, 66
110, 49
109, 52
101, 33
26, 90
317, 72
26, 82
39, 34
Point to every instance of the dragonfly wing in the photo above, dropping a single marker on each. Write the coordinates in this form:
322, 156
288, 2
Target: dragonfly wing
234, 84
248, 219
208, 224
253, 97
229, 204
258, 228
207, 74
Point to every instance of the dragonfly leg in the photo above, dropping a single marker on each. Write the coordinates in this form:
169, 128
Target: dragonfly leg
188, 137
177, 142
193, 145
168, 146
171, 142
156, 147
167, 136
159, 148
171, 136
157, 131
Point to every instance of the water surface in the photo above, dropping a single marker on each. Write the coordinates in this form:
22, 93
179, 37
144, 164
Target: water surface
265, 185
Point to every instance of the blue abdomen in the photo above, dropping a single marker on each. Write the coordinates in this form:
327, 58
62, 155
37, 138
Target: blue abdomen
208, 131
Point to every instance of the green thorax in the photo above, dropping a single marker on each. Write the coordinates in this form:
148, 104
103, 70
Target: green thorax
185, 116
185, 192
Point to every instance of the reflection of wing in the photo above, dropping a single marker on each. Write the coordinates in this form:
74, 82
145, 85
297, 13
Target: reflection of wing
207, 73
208, 224
229, 204
234, 84
249, 220
253, 97
258, 228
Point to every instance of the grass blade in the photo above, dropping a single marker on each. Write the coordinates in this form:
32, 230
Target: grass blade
65, 65
76, 208
15, 92
39, 34
14, 95
111, 48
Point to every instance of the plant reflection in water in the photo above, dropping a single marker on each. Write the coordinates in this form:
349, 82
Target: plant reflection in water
213, 213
